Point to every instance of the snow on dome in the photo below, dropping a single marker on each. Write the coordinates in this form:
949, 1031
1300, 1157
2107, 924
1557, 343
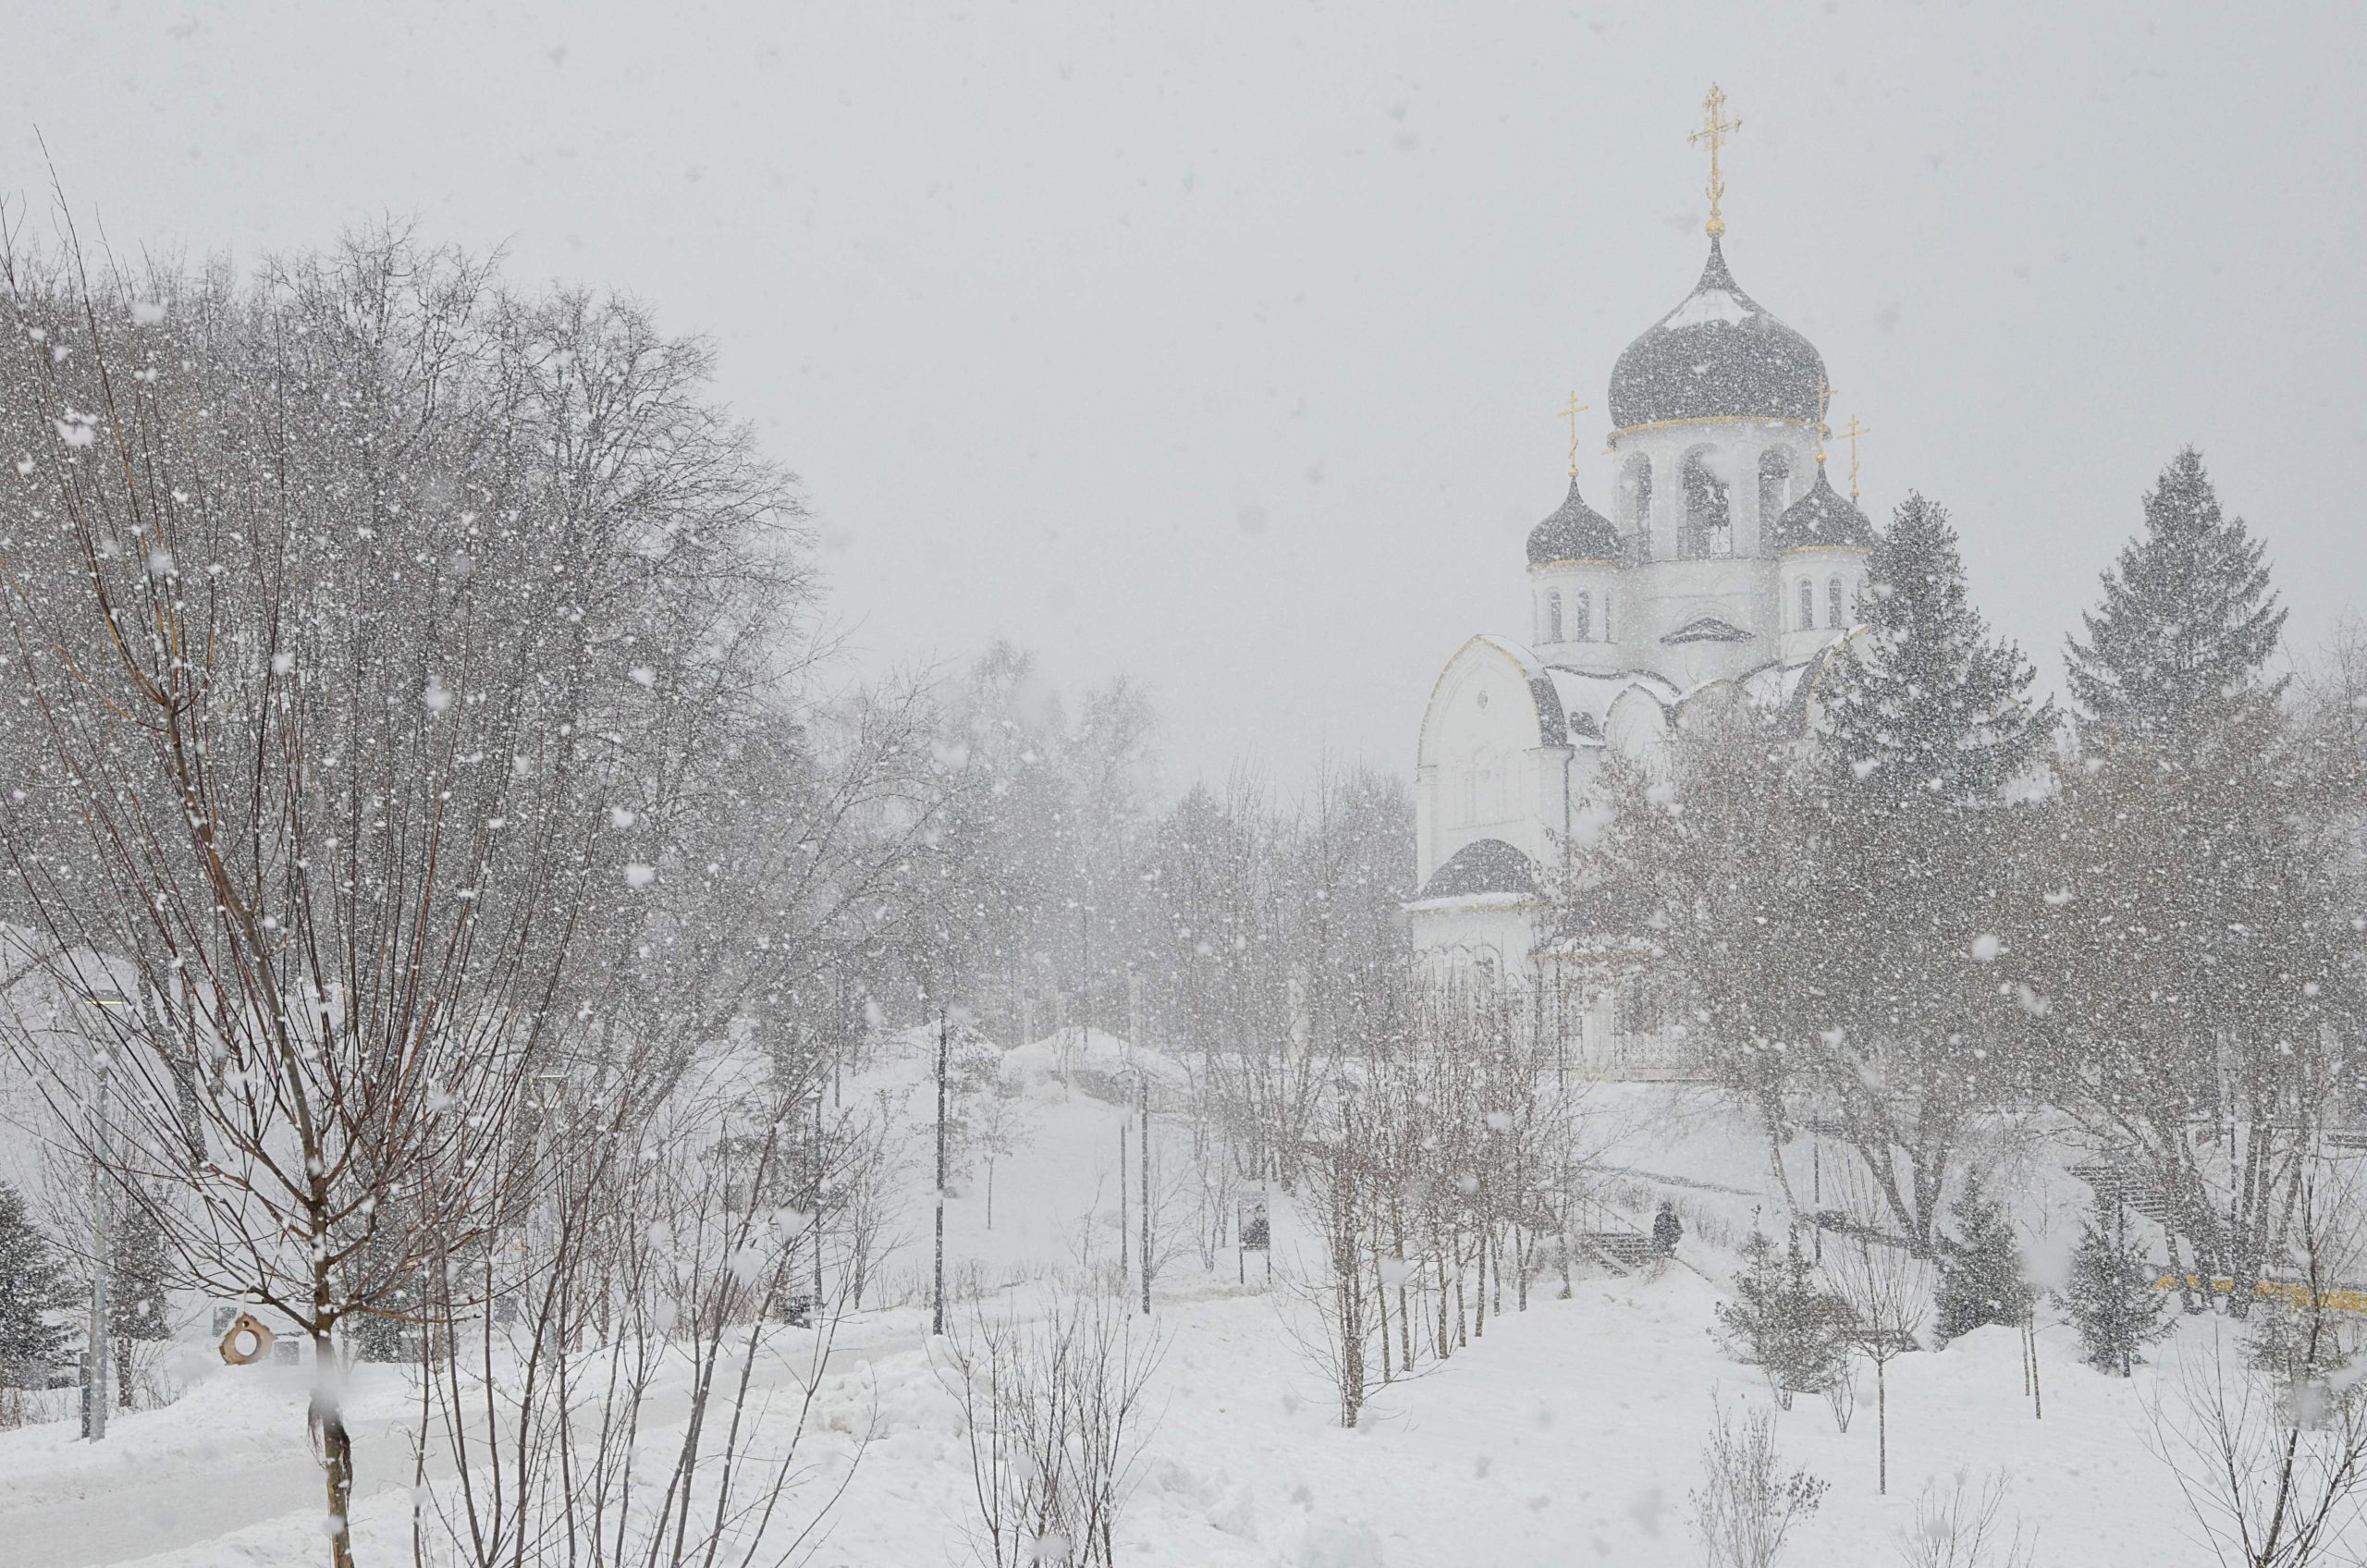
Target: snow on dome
1483, 865
1822, 517
1718, 355
1708, 305
1575, 532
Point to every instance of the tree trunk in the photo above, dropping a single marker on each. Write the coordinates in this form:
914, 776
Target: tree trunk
1479, 1302
1882, 1428
337, 1451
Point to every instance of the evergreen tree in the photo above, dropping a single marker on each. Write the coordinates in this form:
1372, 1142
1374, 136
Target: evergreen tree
2112, 1299
1926, 712
32, 1285
2187, 617
2194, 940
1928, 727
1980, 1274
1784, 1320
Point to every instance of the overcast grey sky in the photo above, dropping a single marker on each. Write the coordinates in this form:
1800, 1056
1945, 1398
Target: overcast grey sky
1219, 343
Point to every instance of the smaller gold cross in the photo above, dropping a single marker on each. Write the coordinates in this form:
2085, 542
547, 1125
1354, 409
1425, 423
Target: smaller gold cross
1853, 431
1571, 411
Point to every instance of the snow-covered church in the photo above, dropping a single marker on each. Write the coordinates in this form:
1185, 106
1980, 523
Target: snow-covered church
1722, 560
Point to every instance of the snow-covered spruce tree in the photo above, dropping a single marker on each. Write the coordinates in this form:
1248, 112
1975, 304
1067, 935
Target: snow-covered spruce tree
1785, 1320
2187, 620
2110, 1293
1980, 1269
1827, 906
1929, 728
2185, 955
32, 1285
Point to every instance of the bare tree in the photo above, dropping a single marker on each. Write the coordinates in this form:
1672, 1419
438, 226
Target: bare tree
1885, 1289
2269, 1441
661, 1279
414, 672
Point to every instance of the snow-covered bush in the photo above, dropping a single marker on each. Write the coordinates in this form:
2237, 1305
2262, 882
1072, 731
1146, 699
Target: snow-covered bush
1055, 1411
1962, 1528
1748, 1504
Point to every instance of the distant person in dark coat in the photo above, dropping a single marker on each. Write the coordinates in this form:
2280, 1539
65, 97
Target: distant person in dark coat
1666, 1229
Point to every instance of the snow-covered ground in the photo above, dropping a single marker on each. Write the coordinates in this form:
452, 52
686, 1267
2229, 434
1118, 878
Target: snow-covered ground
1569, 1434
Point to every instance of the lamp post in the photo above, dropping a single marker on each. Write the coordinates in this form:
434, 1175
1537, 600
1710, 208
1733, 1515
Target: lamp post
816, 1226
936, 1294
94, 1380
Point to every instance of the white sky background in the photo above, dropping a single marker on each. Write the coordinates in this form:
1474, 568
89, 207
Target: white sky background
1219, 343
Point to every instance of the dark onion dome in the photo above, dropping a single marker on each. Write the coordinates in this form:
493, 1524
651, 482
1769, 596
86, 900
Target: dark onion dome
1716, 356
1822, 517
1575, 532
1483, 865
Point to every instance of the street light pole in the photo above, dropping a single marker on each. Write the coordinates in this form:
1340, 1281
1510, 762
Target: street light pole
937, 1293
1143, 1188
94, 1382
94, 1386
816, 1312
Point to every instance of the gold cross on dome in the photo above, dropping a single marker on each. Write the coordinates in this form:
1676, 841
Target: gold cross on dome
1823, 407
1853, 431
1714, 132
1571, 411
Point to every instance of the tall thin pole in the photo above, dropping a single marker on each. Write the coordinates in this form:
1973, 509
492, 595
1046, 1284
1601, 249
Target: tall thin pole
1816, 1176
936, 1295
1122, 1231
1142, 1187
94, 1418
816, 1312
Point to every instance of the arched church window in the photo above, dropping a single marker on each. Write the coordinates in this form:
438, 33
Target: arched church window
1639, 487
1582, 618
1833, 603
1808, 605
1709, 531
1553, 618
1774, 485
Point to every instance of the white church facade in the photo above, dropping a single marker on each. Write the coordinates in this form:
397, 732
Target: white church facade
1723, 560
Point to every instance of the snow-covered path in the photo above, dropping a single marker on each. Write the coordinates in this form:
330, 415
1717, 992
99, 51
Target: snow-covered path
237, 1459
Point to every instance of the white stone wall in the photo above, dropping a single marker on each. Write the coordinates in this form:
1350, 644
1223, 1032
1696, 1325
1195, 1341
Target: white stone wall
1481, 771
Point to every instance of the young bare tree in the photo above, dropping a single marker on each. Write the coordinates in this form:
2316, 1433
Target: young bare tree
1885, 1289
629, 1376
2268, 1440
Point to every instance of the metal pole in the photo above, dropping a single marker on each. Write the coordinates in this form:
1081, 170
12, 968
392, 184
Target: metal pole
937, 1293
1816, 1170
94, 1418
816, 1314
1143, 1188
